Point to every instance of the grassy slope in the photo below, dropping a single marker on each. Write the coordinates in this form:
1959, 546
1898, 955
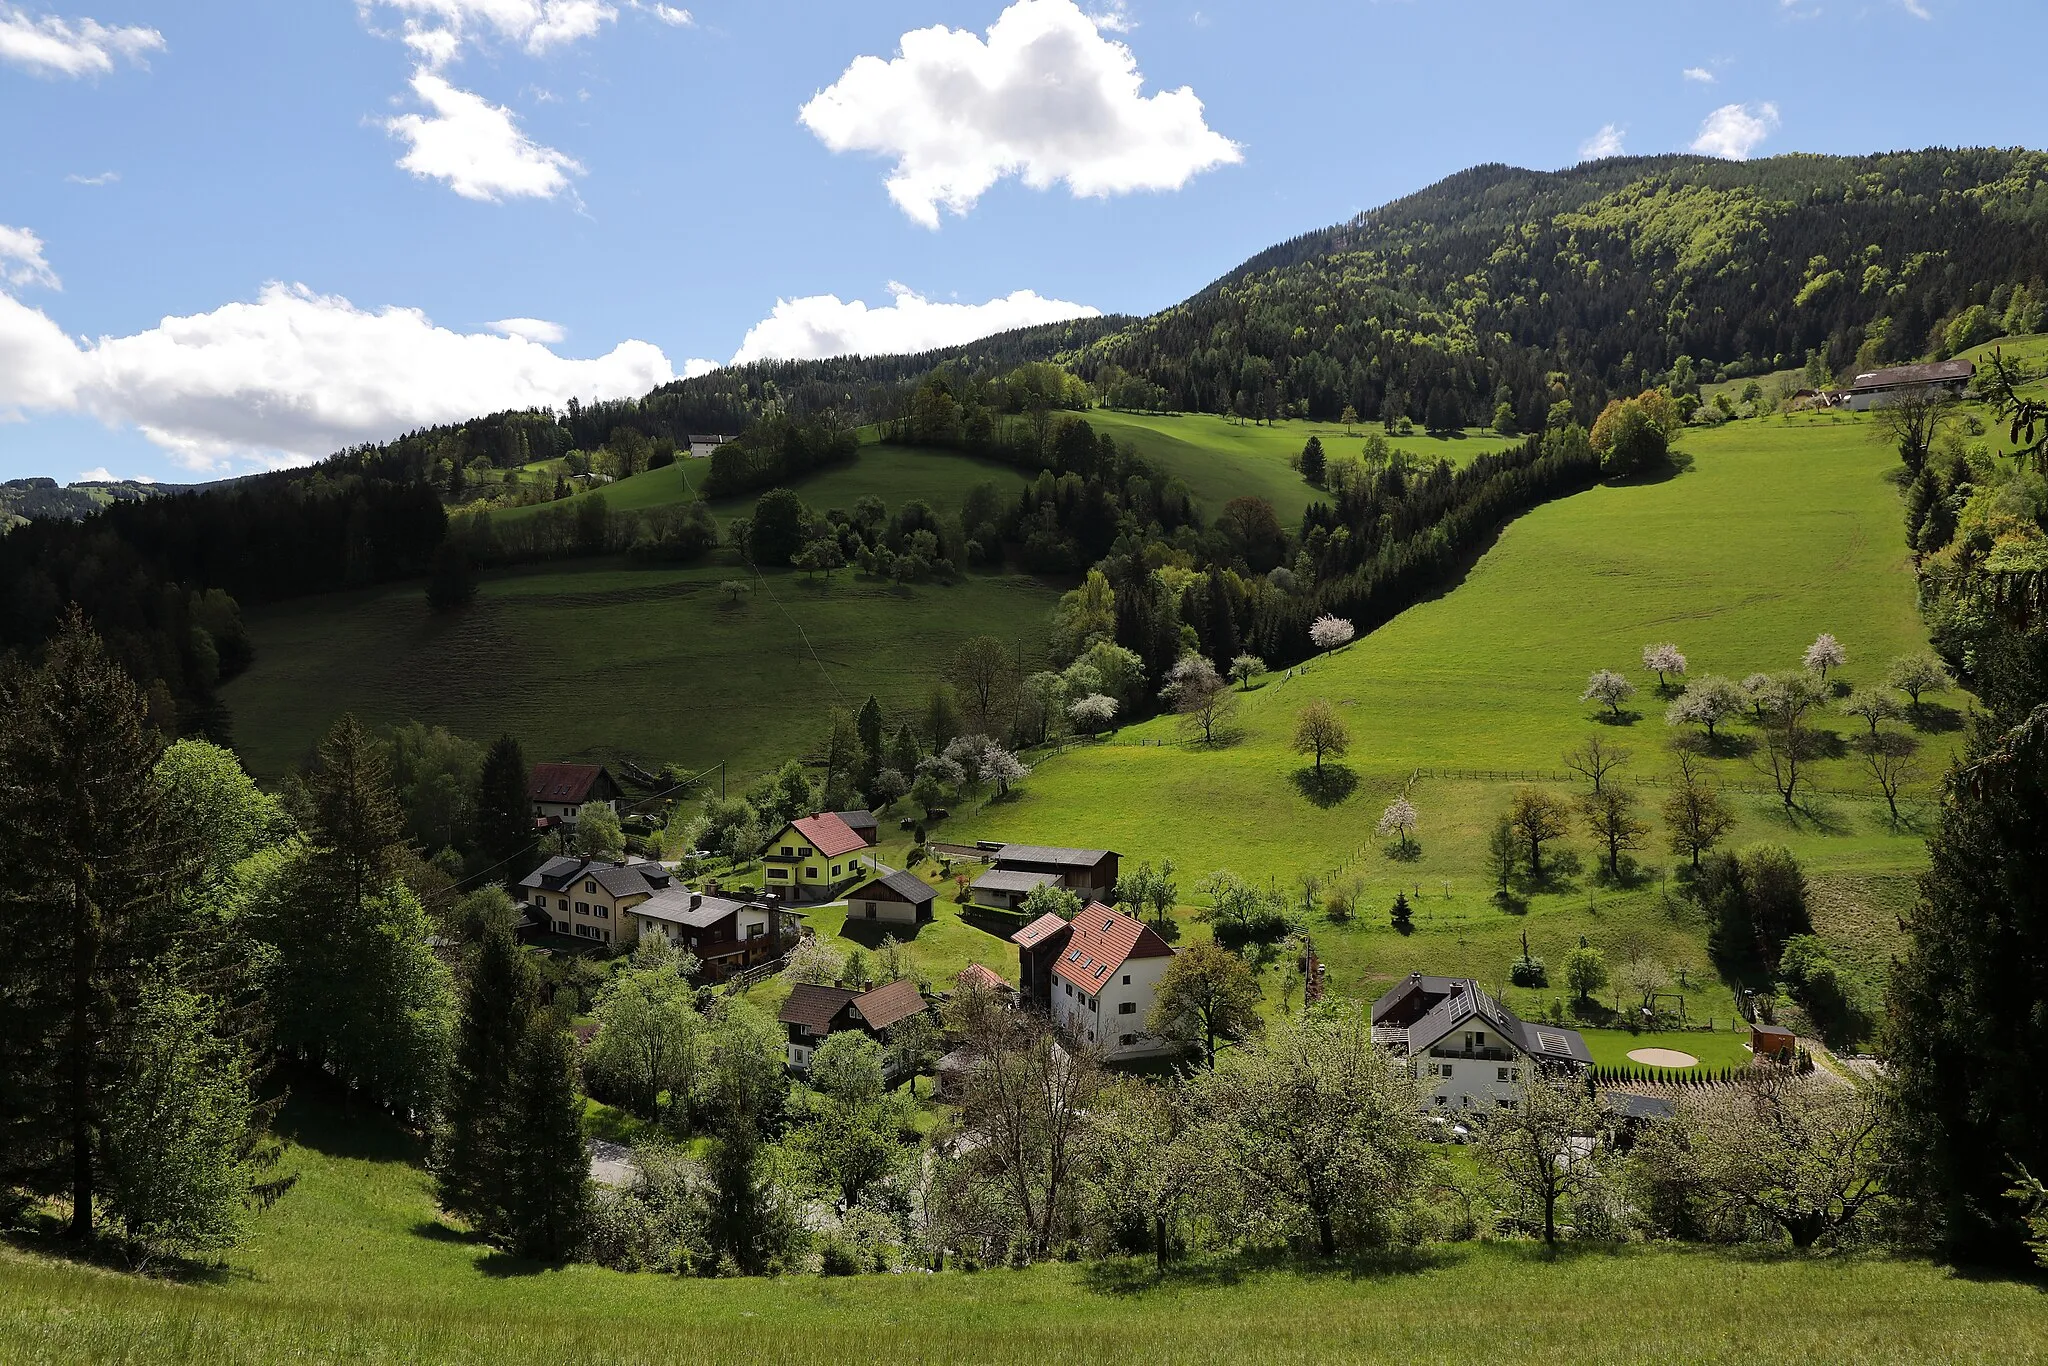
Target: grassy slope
1221, 459
592, 658
355, 1265
1780, 529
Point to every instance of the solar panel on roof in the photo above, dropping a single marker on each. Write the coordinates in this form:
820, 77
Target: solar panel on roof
1552, 1043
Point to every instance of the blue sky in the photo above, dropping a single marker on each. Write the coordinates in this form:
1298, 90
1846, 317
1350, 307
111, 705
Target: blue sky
238, 233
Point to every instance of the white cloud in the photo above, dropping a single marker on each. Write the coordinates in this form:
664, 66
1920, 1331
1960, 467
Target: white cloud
1735, 130
438, 29
53, 46
21, 259
1046, 97
669, 14
821, 325
1699, 74
1605, 143
294, 376
696, 366
103, 178
1115, 18
476, 146
100, 474
531, 329
1916, 9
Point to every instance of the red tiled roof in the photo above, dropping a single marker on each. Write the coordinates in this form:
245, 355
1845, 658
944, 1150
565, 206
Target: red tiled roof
1103, 941
1037, 931
889, 1004
984, 978
568, 783
829, 834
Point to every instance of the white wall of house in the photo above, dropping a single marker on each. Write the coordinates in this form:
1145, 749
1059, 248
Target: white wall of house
881, 911
1113, 1018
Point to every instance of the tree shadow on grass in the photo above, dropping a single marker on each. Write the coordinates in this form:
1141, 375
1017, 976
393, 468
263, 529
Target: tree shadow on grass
1328, 788
869, 934
440, 1231
1727, 745
1135, 1276
1561, 868
46, 1236
1812, 815
1932, 718
505, 1266
1662, 471
1625, 717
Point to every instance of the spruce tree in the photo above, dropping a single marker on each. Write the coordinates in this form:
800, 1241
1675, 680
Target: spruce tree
504, 824
85, 883
473, 1147
549, 1185
903, 752
869, 724
1403, 916
1968, 1030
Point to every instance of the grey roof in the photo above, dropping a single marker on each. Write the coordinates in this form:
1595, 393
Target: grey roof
1550, 1043
679, 906
860, 820
1433, 986
620, 879
1046, 853
1947, 371
1624, 1105
911, 888
1012, 880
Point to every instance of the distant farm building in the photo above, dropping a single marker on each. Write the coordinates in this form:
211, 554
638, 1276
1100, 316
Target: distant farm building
557, 790
1877, 387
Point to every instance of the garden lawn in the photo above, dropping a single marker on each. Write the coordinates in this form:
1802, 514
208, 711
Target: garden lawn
355, 1265
591, 659
1715, 1050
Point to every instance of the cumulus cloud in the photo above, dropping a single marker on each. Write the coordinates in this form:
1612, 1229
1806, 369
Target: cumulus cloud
54, 46
1045, 96
294, 376
22, 261
531, 329
1605, 143
697, 365
438, 29
476, 146
1699, 74
669, 14
1735, 130
823, 325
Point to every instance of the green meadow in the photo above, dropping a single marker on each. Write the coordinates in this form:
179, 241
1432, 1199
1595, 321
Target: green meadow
1770, 533
590, 658
355, 1264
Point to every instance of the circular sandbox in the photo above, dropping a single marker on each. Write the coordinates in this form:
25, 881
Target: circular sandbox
1662, 1057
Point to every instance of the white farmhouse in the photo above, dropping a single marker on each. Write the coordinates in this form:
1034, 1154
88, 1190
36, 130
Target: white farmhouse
1096, 976
1469, 1050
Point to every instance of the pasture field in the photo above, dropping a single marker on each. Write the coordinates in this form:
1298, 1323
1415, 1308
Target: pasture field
355, 1264
1222, 459
1771, 533
589, 658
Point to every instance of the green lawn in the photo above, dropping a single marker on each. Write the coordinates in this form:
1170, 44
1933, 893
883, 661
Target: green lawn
1221, 459
1723, 1047
591, 659
1775, 532
355, 1265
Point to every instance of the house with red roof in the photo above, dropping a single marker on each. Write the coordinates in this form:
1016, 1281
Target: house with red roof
814, 857
1096, 976
557, 791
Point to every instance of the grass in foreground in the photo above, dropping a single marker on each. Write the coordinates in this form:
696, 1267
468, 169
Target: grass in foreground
356, 1265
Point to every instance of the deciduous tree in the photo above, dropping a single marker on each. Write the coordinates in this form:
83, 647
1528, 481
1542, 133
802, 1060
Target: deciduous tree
1551, 1147
1595, 760
1609, 689
1706, 703
1666, 662
1320, 732
1207, 995
1538, 817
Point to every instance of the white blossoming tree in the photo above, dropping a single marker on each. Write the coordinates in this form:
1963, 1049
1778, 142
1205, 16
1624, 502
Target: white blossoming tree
1665, 661
1609, 689
1327, 633
1092, 714
1825, 653
1398, 823
1706, 703
1002, 768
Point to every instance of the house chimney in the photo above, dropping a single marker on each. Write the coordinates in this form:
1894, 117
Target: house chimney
696, 900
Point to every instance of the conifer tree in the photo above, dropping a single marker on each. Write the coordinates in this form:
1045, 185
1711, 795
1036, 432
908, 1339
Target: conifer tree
548, 1170
503, 821
85, 878
903, 751
472, 1150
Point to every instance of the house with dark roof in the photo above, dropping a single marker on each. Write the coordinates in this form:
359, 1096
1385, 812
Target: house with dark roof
811, 1014
618, 903
813, 857
1097, 976
1016, 869
866, 824
556, 791
1875, 388
895, 898
1469, 1050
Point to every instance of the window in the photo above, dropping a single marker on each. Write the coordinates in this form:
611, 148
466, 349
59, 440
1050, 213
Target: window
871, 910
1127, 1008
601, 912
788, 852
779, 874
1500, 1074
1069, 986
583, 908
561, 927
565, 902
835, 870
590, 886
1447, 1071
1126, 1040
1127, 979
1091, 1003
1505, 1104
811, 873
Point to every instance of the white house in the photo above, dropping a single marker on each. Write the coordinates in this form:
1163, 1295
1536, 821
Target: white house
1096, 976
1469, 1050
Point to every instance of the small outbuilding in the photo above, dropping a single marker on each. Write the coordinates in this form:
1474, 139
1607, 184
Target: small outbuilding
897, 898
1775, 1042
